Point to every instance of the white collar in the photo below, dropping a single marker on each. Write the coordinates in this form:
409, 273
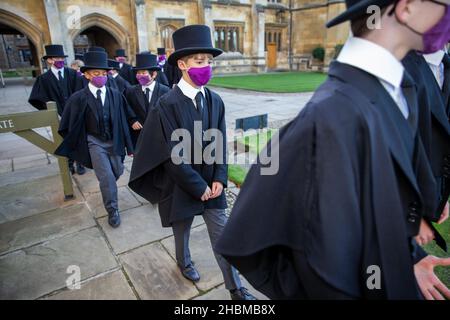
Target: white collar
94, 89
435, 58
372, 58
115, 75
151, 86
188, 90
55, 71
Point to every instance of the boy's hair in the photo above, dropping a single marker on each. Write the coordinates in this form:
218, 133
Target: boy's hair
359, 26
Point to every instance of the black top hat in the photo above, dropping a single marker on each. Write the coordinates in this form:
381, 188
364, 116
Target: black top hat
79, 56
357, 9
96, 49
161, 51
54, 51
120, 53
95, 60
114, 64
190, 40
146, 61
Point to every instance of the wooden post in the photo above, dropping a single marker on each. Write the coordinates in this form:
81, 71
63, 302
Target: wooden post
62, 161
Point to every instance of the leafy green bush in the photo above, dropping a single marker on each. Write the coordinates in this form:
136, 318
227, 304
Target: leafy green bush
319, 53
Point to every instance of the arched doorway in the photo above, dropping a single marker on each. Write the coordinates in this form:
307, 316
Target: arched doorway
21, 43
96, 36
99, 30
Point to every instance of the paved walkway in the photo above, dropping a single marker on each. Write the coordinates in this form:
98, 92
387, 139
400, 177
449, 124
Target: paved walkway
41, 236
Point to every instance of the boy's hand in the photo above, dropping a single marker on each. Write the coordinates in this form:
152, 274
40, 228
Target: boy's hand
206, 195
425, 233
217, 188
431, 287
137, 126
444, 215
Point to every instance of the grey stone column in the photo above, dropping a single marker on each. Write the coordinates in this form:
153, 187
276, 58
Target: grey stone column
58, 26
259, 25
142, 33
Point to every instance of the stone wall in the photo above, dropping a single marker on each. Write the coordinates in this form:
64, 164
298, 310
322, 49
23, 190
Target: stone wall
137, 25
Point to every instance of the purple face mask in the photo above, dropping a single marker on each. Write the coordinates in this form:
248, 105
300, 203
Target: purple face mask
59, 64
162, 58
438, 36
143, 79
122, 59
79, 73
200, 76
99, 81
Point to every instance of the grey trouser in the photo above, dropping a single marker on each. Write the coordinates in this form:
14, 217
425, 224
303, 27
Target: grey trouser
108, 167
215, 220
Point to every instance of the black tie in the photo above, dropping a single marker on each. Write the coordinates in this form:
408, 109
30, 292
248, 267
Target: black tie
409, 91
147, 94
59, 76
199, 102
99, 97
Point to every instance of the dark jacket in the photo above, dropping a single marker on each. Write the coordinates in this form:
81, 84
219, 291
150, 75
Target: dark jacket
352, 185
434, 126
74, 120
47, 88
177, 189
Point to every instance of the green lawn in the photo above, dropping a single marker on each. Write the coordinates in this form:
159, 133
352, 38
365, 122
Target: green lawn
283, 82
442, 272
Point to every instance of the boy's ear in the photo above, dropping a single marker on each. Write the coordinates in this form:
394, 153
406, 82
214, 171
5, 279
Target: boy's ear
181, 65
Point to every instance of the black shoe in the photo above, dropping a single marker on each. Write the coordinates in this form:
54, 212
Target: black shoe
190, 273
80, 169
114, 219
72, 170
241, 294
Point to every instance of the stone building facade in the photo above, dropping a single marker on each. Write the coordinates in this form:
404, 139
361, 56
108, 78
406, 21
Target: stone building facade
244, 29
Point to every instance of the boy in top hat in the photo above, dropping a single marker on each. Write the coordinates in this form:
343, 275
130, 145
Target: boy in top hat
144, 96
194, 185
57, 84
125, 70
428, 72
337, 220
110, 80
122, 84
96, 131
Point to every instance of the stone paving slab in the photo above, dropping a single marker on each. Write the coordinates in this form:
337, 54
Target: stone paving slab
126, 201
202, 254
155, 274
139, 226
31, 230
29, 174
33, 272
111, 286
35, 161
5, 166
29, 198
88, 182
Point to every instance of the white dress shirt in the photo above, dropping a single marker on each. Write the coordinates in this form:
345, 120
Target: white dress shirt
94, 89
151, 87
437, 67
55, 72
189, 91
379, 62
114, 75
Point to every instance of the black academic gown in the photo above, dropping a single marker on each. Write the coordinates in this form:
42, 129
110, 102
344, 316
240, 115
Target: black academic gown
434, 126
352, 184
47, 88
121, 83
139, 104
127, 73
177, 189
73, 126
